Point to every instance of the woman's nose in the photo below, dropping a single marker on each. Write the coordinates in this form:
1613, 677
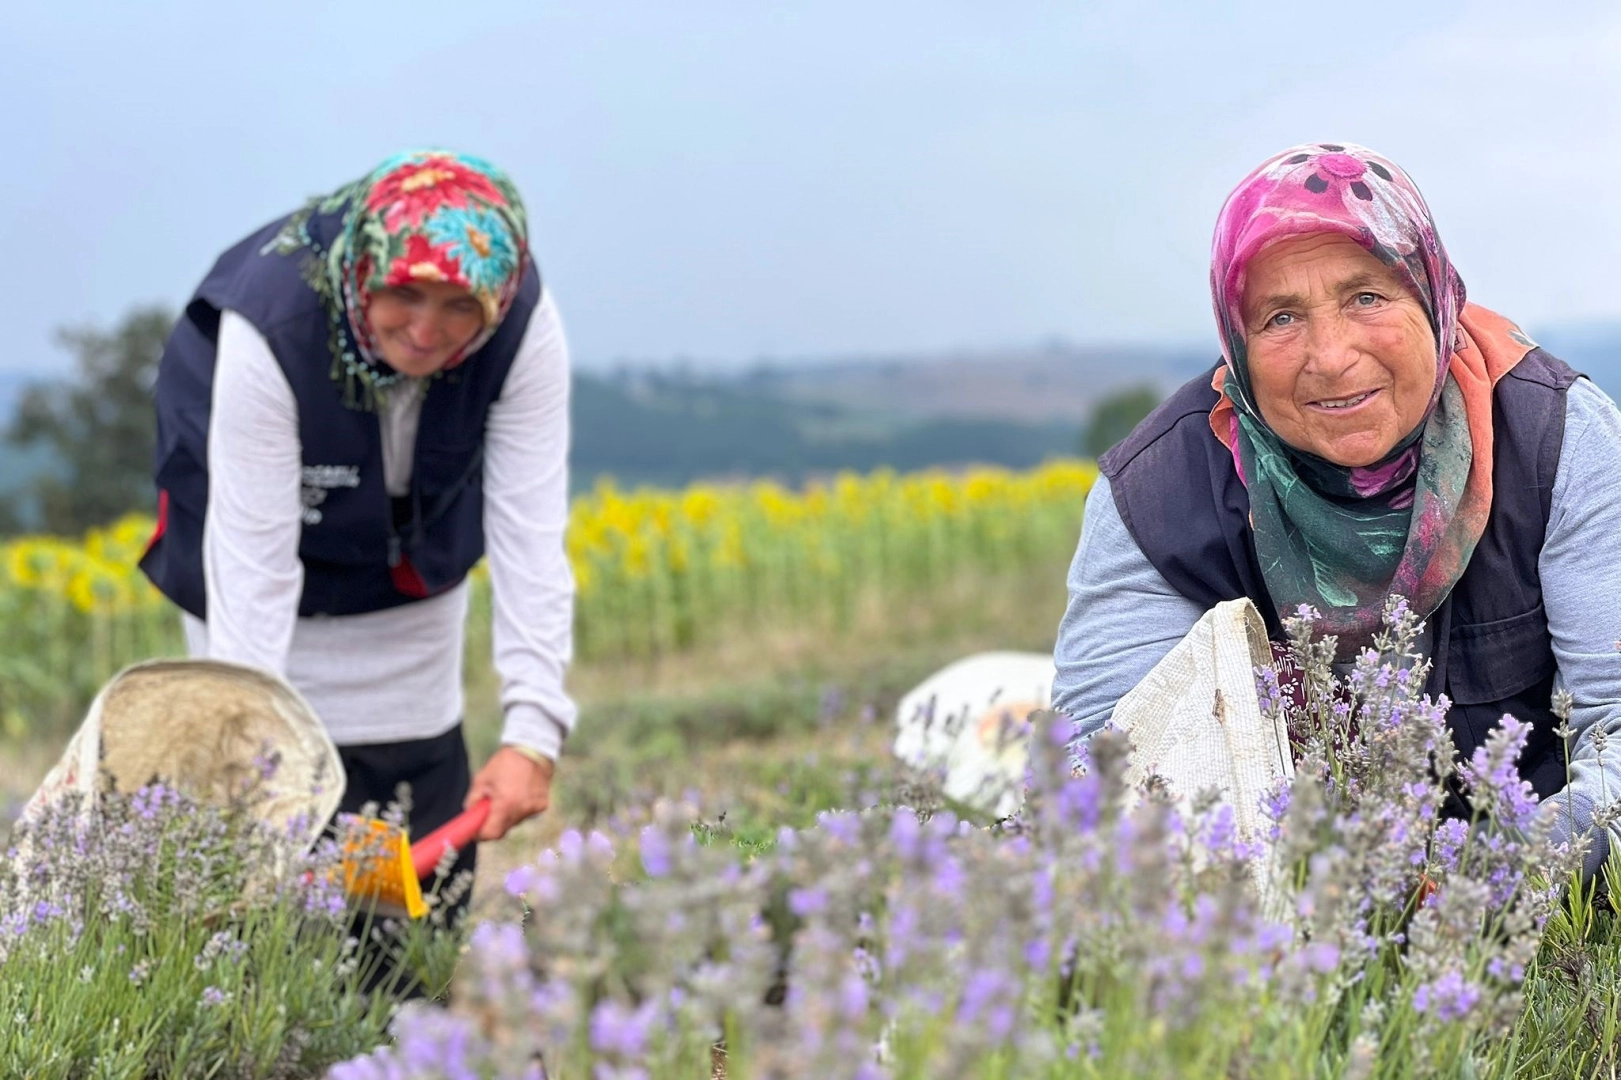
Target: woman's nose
424, 331
1331, 348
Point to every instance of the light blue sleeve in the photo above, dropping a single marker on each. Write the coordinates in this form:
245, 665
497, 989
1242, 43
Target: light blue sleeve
1123, 618
1580, 565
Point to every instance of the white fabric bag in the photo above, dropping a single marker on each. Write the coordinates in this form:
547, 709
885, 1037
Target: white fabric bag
1195, 724
970, 721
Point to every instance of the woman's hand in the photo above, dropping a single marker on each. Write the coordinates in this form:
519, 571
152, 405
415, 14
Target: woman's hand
518, 787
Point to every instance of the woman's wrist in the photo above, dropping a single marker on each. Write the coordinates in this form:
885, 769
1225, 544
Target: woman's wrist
536, 756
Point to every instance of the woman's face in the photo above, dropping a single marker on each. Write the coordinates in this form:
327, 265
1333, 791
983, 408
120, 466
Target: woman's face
1341, 355
421, 325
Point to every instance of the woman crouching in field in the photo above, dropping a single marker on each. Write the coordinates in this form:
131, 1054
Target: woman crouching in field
1368, 434
360, 400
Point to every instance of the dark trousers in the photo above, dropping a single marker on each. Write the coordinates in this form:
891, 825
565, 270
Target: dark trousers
438, 772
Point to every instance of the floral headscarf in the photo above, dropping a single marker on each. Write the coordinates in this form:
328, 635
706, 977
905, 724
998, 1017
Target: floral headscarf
1344, 538
427, 215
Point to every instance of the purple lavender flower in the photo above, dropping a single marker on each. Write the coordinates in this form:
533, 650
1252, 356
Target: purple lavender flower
807, 902
1505, 971
655, 852
266, 762
1448, 842
571, 845
1449, 998
1320, 957
620, 1029
1080, 804
500, 945
1493, 776
984, 988
853, 997
905, 831
842, 826
522, 880
600, 848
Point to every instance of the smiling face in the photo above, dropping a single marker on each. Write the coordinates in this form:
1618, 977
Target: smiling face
1341, 355
420, 326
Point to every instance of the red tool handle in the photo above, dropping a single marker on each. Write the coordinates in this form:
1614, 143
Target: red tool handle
458, 832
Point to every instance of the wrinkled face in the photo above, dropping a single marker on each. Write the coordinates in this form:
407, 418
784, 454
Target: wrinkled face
1341, 355
421, 325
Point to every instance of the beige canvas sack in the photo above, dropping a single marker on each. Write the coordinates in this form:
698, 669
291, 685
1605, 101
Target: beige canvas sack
205, 727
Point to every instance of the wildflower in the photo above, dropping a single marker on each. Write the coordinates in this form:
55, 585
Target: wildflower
655, 847
1449, 998
525, 879
853, 996
620, 1029
266, 762
807, 902
221, 944
1504, 970
502, 943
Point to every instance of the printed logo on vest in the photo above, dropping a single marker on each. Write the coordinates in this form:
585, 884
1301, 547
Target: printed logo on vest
318, 480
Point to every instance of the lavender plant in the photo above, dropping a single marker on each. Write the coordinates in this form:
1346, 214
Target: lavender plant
1100, 933
149, 935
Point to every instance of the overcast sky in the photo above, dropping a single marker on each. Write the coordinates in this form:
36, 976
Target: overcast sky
733, 180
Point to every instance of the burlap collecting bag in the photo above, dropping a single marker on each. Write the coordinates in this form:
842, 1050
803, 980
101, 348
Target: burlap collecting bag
207, 728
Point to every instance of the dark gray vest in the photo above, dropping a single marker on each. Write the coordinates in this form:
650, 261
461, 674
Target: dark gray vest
1179, 496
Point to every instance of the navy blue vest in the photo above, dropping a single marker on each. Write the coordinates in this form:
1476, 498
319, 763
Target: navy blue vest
1179, 496
361, 550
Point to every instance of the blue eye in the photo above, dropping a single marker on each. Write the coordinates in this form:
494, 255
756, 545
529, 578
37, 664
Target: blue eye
1368, 299
1279, 319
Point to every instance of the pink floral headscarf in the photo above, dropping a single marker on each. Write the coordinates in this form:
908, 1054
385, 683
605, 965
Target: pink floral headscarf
1341, 539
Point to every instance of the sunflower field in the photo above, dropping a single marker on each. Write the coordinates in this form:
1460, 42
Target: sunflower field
657, 571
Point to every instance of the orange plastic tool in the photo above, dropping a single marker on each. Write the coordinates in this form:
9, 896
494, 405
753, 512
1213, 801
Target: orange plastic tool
382, 867
458, 832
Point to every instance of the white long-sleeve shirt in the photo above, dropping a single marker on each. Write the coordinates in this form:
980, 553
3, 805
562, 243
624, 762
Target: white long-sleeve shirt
392, 675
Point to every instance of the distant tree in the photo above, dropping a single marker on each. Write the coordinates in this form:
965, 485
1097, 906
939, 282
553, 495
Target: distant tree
1113, 418
100, 426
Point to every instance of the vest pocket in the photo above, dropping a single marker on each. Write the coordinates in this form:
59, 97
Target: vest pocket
1493, 661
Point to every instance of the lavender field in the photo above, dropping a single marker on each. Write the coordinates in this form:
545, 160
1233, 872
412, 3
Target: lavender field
828, 915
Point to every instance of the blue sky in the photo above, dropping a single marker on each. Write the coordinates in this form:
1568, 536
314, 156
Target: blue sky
726, 181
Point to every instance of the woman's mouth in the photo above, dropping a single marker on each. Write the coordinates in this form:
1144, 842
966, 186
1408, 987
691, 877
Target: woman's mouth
1344, 404
413, 350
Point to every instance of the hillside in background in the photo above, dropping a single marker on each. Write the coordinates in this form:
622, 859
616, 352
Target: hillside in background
1057, 384
668, 429
671, 429
792, 421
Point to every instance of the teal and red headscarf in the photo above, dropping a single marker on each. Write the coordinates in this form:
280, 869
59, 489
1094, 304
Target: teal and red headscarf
1337, 538
422, 216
